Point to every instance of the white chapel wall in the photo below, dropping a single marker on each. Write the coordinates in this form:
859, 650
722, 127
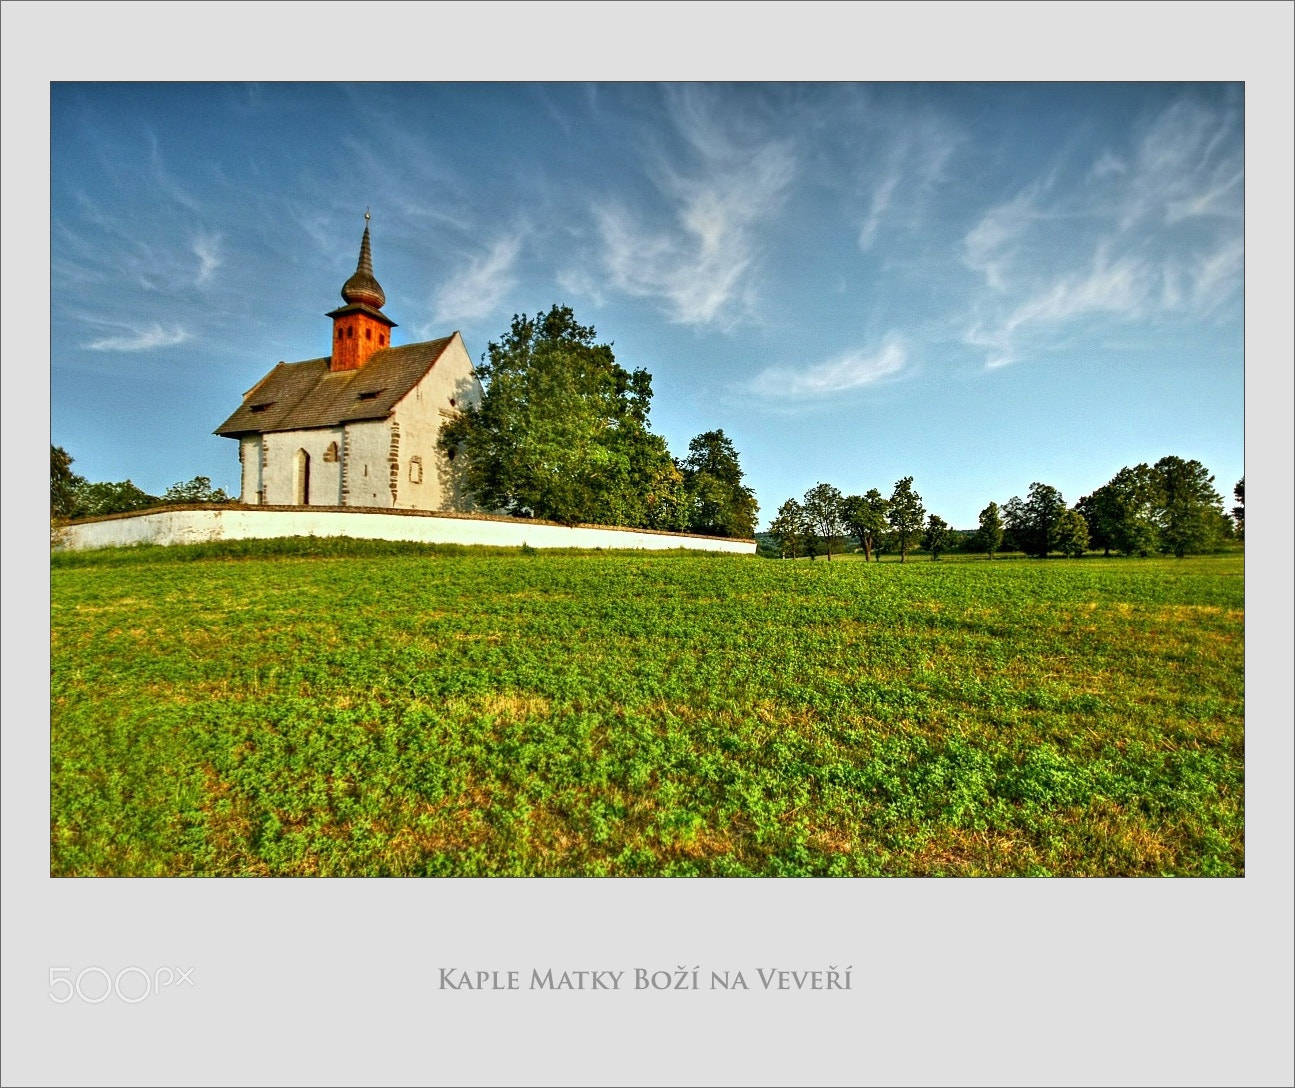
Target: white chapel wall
426, 480
249, 456
282, 466
367, 453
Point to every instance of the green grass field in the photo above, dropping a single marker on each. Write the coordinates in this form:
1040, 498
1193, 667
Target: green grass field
352, 709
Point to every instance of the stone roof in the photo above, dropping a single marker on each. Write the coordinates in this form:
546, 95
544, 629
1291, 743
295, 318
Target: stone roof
305, 395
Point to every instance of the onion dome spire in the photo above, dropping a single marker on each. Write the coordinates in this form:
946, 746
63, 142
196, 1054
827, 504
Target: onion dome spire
362, 288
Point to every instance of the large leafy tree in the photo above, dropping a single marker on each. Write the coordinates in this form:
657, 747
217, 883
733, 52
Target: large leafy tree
904, 514
1239, 511
822, 506
989, 537
865, 519
562, 432
719, 503
937, 536
1189, 512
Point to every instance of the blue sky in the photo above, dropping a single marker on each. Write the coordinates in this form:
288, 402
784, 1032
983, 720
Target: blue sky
979, 285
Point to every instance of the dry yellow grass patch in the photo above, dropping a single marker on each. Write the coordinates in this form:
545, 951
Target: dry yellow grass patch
961, 852
705, 843
229, 829
515, 706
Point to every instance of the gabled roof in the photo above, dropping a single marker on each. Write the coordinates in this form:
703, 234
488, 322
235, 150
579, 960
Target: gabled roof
301, 396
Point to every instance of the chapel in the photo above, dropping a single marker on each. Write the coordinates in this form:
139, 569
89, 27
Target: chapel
358, 427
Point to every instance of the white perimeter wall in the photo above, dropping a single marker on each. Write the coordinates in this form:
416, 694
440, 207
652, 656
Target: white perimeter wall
193, 526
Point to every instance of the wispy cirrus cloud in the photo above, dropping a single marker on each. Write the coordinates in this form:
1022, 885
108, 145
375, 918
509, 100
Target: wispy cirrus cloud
142, 339
165, 182
914, 150
480, 287
1121, 288
843, 374
94, 248
698, 259
1186, 163
207, 248
1151, 230
882, 195
992, 246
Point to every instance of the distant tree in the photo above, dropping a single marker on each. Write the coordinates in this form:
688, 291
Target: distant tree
1239, 511
1014, 530
64, 484
720, 504
1189, 510
1121, 514
788, 528
198, 489
98, 499
1219, 527
1094, 509
822, 506
1069, 534
865, 519
1029, 523
989, 537
936, 538
904, 514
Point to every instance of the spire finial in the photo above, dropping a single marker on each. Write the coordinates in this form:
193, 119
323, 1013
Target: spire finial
363, 287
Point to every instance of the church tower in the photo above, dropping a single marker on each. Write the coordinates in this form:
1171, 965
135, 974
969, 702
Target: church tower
360, 328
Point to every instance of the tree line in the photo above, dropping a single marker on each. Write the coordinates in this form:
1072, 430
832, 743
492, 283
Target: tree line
1169, 508
73, 496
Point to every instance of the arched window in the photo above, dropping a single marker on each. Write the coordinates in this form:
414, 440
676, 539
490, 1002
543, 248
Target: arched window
330, 454
301, 477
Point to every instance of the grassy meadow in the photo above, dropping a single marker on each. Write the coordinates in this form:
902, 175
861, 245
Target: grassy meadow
360, 709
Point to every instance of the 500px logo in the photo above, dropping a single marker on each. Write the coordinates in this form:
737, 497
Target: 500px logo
132, 985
